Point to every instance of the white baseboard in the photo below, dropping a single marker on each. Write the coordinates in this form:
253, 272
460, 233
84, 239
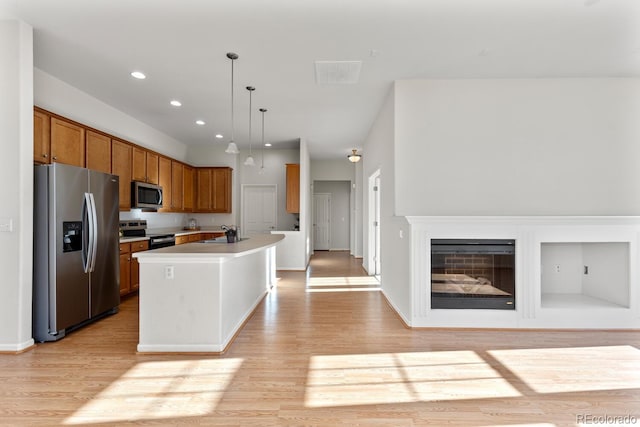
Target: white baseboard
16, 348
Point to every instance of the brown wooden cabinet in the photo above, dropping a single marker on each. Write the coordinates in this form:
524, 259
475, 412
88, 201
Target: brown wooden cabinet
98, 152
67, 142
293, 188
214, 190
188, 186
41, 137
144, 166
177, 190
135, 266
164, 180
121, 166
221, 190
203, 190
125, 268
180, 240
129, 267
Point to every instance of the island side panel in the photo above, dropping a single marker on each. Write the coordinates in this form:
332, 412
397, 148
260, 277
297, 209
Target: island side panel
245, 281
181, 314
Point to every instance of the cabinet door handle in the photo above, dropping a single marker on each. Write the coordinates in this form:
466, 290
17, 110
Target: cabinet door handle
55, 157
128, 259
44, 155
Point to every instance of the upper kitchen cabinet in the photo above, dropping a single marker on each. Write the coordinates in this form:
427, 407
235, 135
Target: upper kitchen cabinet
145, 166
293, 188
41, 137
213, 189
221, 190
98, 150
164, 180
177, 189
67, 142
121, 153
188, 185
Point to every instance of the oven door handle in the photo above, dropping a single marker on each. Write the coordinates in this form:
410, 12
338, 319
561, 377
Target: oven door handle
162, 240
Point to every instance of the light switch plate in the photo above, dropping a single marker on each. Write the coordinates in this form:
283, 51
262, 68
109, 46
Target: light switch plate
6, 225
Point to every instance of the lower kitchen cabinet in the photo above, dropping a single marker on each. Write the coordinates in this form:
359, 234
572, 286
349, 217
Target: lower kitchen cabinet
129, 267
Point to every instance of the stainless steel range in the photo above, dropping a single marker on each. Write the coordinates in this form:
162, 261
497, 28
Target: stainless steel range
138, 228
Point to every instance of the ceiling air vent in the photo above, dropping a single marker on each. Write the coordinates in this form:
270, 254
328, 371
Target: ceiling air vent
338, 72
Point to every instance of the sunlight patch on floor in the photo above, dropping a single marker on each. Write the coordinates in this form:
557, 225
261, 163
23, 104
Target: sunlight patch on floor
342, 284
574, 369
160, 390
342, 281
385, 378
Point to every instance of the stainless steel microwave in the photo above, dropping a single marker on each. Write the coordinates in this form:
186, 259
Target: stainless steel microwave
146, 196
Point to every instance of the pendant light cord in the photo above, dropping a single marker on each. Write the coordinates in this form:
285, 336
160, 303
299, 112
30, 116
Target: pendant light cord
232, 121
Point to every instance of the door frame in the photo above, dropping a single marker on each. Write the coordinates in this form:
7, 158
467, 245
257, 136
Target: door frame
242, 210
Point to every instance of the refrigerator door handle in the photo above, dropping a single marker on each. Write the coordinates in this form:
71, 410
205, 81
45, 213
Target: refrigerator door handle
93, 225
87, 242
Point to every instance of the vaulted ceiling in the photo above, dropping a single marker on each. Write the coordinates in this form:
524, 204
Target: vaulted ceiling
181, 46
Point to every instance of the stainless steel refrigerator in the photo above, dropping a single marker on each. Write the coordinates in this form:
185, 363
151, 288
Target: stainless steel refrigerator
76, 249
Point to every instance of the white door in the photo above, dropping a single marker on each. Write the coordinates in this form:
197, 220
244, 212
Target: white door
321, 221
258, 209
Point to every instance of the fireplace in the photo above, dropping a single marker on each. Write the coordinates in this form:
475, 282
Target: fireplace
473, 274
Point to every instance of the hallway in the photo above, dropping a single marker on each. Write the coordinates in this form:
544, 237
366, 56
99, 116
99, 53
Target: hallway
324, 348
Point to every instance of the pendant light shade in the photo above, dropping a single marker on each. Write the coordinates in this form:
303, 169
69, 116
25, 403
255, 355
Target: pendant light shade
249, 161
354, 157
262, 110
232, 148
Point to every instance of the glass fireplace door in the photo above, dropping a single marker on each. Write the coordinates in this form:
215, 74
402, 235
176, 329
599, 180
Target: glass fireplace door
473, 274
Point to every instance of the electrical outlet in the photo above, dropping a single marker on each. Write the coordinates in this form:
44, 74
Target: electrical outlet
168, 272
6, 225
557, 268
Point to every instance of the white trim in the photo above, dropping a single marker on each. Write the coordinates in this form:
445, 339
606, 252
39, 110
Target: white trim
13, 348
529, 232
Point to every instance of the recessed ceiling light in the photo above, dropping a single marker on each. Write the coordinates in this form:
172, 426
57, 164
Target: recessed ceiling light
267, 145
200, 122
138, 75
219, 136
176, 103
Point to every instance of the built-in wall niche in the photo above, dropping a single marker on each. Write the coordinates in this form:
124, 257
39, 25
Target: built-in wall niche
585, 274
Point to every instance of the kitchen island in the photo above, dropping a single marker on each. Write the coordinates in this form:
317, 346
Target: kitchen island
196, 297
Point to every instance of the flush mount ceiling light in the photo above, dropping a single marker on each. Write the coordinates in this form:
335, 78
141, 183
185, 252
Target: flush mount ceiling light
262, 110
232, 148
176, 103
138, 75
249, 161
219, 136
200, 122
354, 157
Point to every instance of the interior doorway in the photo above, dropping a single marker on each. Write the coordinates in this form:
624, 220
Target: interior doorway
259, 209
321, 221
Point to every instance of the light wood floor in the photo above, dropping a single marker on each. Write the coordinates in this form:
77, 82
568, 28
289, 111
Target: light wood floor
325, 349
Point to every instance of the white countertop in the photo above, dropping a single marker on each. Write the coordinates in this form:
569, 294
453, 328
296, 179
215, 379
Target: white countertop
206, 252
132, 239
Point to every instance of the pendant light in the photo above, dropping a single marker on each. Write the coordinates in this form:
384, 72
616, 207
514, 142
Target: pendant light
262, 110
354, 157
249, 161
232, 148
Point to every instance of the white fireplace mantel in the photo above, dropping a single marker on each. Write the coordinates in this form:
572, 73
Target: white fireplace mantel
530, 233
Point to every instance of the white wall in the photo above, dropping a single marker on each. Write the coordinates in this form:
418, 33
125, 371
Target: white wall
608, 277
60, 98
561, 268
518, 147
294, 251
357, 231
332, 170
340, 192
378, 154
274, 173
16, 172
